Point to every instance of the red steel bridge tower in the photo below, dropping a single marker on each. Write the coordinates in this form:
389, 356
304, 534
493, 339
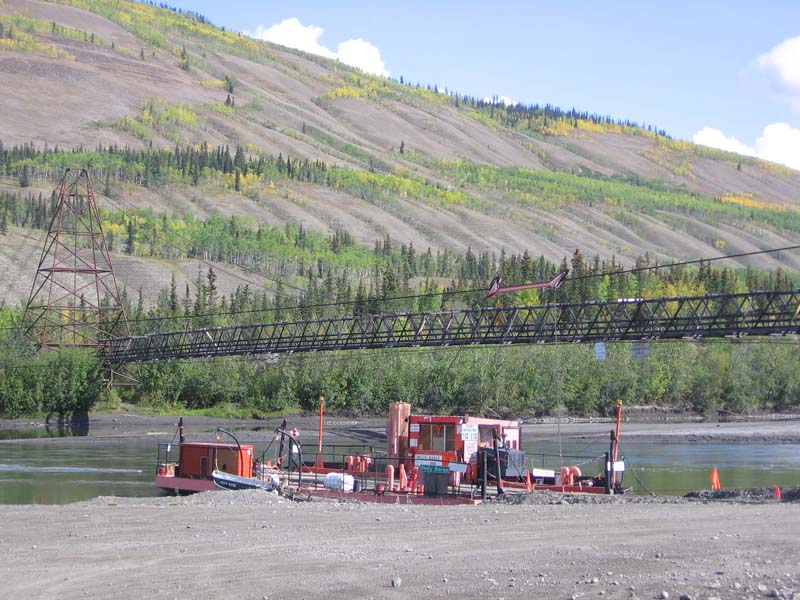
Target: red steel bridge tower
74, 299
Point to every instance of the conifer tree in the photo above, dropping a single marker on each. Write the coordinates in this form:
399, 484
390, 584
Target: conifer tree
173, 296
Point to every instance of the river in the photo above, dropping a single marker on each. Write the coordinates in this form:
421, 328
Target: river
63, 470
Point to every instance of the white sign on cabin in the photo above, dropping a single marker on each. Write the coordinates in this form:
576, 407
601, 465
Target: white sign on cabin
469, 433
428, 460
414, 428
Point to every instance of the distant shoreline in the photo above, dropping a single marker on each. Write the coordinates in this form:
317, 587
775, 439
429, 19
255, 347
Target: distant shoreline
370, 430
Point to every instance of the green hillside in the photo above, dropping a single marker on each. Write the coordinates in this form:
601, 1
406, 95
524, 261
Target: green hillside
242, 181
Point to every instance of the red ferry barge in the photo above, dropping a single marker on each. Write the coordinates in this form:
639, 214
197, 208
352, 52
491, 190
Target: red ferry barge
428, 459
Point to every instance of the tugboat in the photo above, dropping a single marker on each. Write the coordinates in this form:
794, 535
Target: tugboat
193, 468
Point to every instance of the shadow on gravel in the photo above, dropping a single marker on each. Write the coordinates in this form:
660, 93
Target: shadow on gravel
545, 497
746, 495
735, 495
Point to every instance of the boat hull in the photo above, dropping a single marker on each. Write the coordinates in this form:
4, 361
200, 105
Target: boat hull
226, 481
184, 485
370, 497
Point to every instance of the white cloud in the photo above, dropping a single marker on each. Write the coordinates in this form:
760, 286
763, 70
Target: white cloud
714, 138
504, 100
293, 34
784, 61
362, 54
779, 142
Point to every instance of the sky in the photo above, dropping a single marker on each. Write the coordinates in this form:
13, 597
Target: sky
720, 73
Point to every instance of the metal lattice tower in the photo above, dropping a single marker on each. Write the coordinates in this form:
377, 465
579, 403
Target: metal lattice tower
74, 299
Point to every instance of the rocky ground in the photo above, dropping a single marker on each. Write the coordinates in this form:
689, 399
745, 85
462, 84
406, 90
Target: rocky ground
257, 545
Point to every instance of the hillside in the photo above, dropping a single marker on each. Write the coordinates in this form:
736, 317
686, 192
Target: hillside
427, 169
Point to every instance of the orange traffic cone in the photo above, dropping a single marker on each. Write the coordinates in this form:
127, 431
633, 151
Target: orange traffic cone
528, 482
715, 484
777, 492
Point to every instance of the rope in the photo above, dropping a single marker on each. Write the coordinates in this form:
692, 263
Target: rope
590, 460
174, 435
635, 476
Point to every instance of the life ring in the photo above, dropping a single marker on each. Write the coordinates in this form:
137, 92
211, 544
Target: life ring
575, 476
566, 476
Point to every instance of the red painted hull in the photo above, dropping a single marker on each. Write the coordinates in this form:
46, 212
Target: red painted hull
569, 489
391, 498
184, 485
520, 487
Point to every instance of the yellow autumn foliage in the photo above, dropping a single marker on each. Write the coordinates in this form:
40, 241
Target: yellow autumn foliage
748, 201
25, 43
211, 83
246, 181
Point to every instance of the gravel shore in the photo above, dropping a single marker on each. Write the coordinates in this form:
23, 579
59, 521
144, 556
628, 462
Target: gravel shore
257, 545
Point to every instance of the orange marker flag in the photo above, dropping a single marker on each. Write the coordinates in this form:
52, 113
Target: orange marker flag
715, 484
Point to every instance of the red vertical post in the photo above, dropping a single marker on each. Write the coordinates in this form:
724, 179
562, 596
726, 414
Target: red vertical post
617, 430
320, 462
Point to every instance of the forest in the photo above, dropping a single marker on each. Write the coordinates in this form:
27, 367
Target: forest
306, 274
704, 377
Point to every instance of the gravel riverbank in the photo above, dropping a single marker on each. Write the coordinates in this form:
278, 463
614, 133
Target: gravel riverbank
256, 545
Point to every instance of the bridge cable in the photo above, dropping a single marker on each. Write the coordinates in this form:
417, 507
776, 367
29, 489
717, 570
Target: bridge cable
406, 297
454, 292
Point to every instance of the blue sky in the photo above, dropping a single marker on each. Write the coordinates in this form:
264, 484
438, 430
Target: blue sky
724, 73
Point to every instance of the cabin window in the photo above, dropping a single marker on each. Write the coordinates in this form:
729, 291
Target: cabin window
440, 437
486, 434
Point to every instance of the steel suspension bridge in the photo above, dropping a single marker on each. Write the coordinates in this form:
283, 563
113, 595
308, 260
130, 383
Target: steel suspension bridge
68, 306
761, 313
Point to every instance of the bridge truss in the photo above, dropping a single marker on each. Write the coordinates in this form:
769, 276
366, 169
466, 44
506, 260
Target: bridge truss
714, 316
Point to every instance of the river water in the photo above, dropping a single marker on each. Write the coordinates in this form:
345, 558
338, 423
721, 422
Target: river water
63, 470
